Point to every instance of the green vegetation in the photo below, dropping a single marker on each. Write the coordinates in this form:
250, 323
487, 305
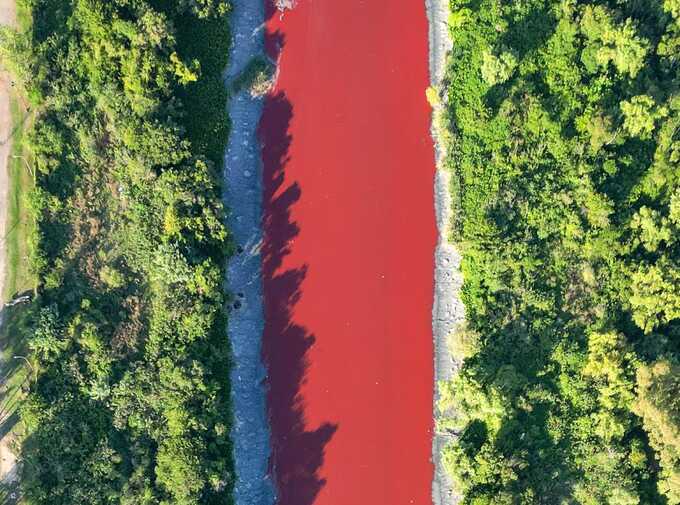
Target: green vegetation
20, 280
565, 149
256, 77
17, 372
129, 399
20, 227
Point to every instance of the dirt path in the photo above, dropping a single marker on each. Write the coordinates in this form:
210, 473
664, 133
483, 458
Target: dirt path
7, 17
348, 267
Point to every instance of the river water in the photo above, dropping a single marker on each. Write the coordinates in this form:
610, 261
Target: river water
347, 258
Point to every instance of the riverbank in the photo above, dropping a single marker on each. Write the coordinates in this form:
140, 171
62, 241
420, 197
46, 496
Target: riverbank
448, 311
243, 197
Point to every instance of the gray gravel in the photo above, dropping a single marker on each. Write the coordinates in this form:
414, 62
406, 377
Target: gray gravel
448, 310
243, 196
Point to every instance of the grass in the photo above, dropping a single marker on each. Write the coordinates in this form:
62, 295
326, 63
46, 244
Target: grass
19, 277
15, 371
24, 22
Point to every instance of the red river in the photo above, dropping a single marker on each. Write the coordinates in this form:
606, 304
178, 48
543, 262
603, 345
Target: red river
349, 238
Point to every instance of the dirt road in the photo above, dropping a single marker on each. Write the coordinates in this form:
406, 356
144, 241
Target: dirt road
349, 237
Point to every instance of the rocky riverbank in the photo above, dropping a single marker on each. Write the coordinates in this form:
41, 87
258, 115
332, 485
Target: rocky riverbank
447, 311
243, 197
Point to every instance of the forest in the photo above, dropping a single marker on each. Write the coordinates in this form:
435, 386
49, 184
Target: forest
563, 139
128, 402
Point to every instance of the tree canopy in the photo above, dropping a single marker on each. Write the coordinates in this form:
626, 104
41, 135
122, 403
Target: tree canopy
131, 400
564, 144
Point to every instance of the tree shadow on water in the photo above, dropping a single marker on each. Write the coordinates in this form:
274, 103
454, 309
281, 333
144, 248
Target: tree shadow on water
297, 453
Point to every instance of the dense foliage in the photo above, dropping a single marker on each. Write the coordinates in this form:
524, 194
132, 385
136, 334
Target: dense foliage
130, 402
565, 148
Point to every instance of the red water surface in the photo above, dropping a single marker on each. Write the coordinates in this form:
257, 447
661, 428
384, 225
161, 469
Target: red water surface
349, 236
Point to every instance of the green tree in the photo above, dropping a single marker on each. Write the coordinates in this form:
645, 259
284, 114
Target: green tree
655, 297
48, 340
609, 42
498, 69
640, 114
658, 405
651, 228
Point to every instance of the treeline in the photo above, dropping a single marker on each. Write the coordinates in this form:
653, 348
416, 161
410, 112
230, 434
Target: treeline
564, 142
129, 402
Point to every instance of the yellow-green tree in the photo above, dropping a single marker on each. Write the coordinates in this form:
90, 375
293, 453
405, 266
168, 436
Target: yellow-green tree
658, 403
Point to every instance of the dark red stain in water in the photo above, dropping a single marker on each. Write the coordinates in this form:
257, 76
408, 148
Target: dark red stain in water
349, 236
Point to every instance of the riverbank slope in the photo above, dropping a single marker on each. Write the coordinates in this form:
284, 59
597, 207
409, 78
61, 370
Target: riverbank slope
448, 311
